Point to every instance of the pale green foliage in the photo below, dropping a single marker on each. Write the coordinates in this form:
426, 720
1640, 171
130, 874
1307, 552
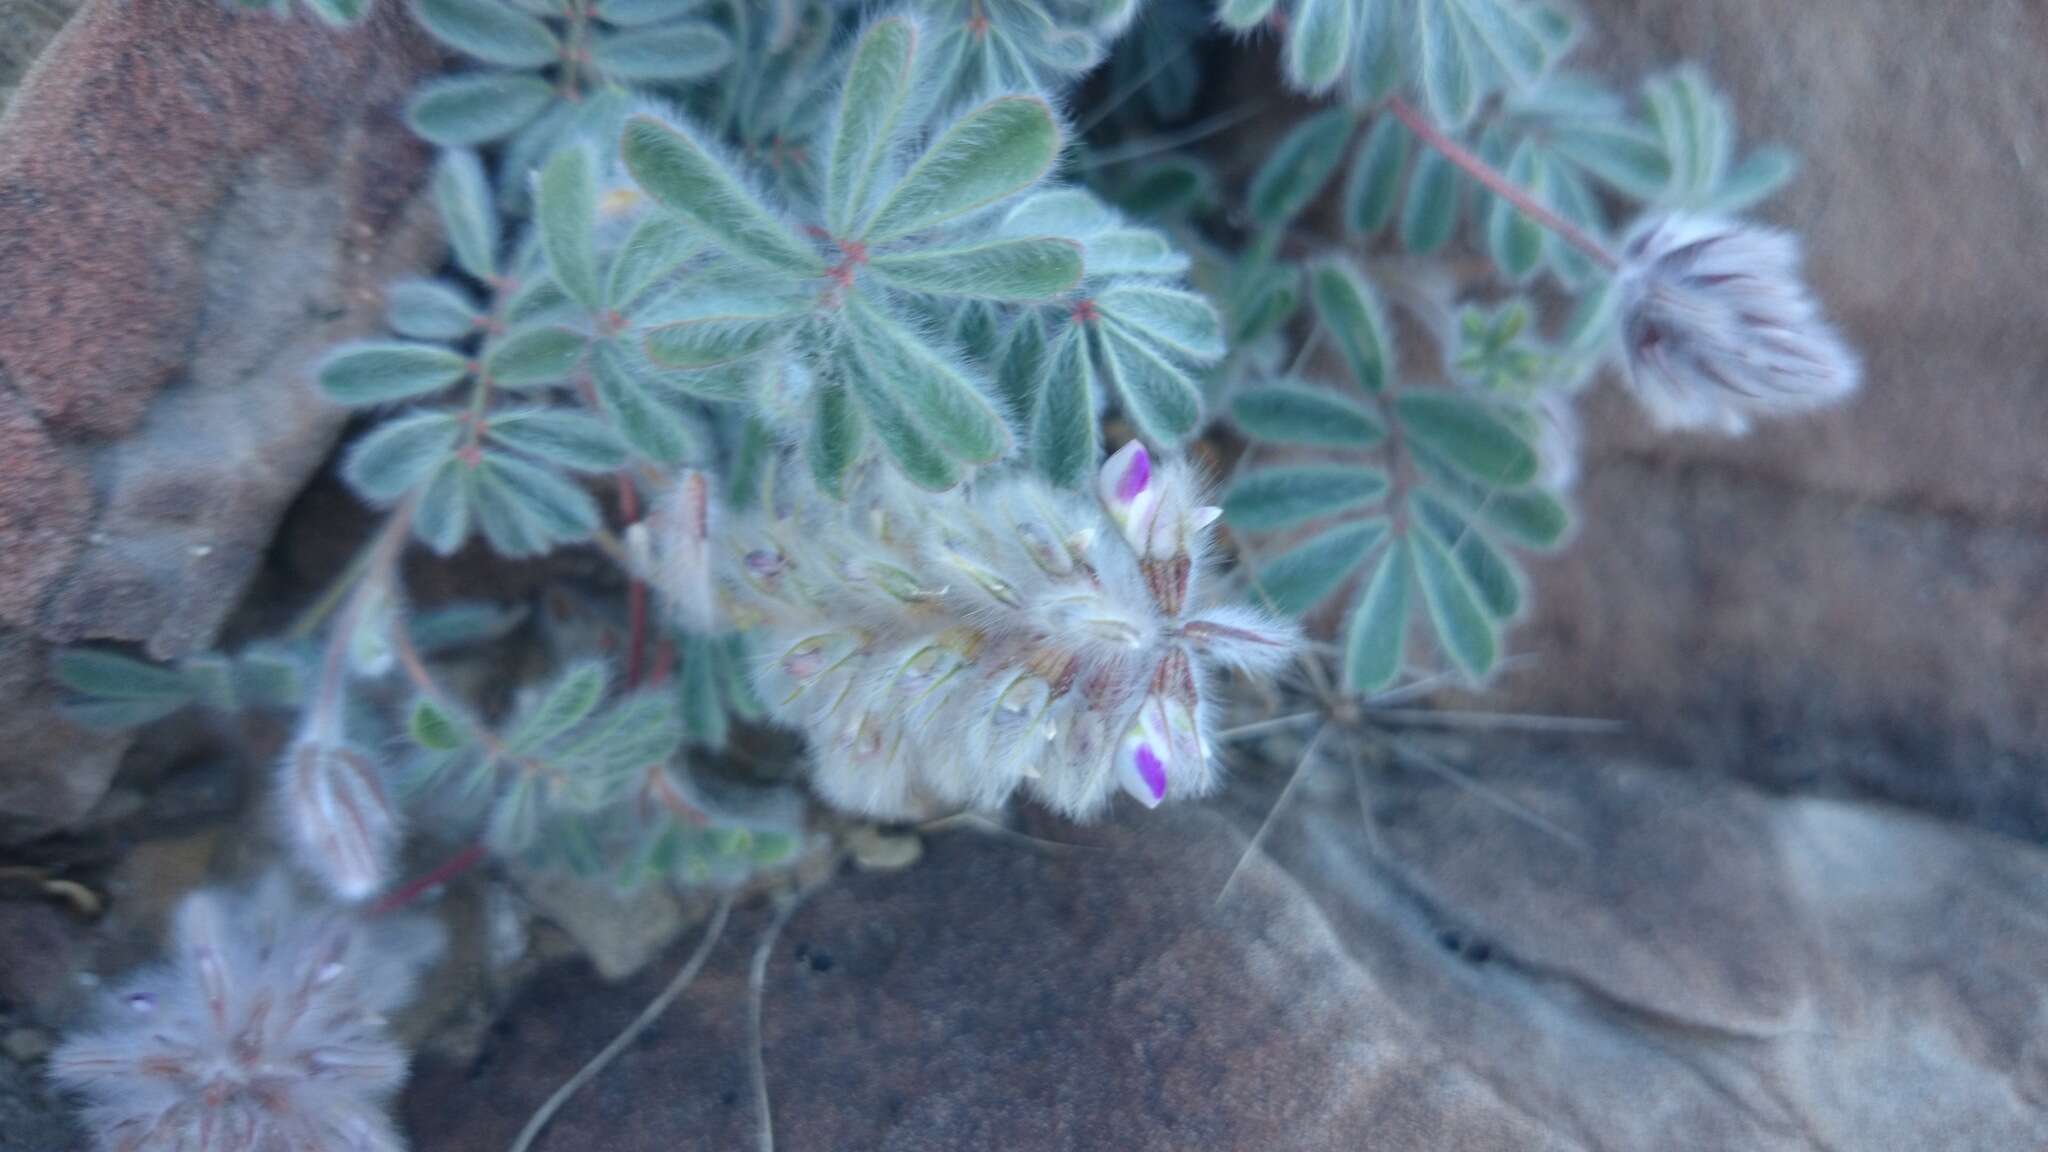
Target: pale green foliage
816, 252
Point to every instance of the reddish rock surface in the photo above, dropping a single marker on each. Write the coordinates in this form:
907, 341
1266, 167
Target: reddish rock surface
194, 200
1854, 602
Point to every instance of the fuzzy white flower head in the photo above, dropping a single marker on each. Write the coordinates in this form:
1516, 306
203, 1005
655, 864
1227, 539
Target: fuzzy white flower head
265, 1031
1717, 328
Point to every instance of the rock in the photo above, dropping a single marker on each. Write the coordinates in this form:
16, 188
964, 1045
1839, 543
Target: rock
42, 949
620, 934
1689, 966
1848, 604
194, 202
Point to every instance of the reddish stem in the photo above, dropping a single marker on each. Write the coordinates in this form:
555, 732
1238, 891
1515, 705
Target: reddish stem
1498, 184
407, 893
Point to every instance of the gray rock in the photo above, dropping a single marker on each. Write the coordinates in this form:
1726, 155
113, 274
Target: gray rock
1692, 967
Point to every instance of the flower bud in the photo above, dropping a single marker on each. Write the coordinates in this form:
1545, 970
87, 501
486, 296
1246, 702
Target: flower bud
1717, 327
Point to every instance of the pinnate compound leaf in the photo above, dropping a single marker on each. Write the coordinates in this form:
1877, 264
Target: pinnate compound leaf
429, 310
1378, 632
1297, 168
565, 210
1461, 431
535, 357
1304, 576
678, 52
1317, 417
462, 197
490, 31
1350, 313
1463, 629
555, 436
1275, 498
400, 454
477, 107
379, 373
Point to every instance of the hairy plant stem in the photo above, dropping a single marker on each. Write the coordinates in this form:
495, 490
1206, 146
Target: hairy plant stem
1499, 185
409, 893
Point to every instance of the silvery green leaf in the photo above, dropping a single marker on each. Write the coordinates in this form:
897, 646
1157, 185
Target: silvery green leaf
490, 31
1378, 633
552, 510
1463, 629
538, 300
1493, 578
671, 53
650, 427
556, 436
878, 84
1180, 321
659, 245
1065, 435
1467, 435
116, 715
516, 818
683, 176
398, 455
1429, 214
1528, 517
462, 624
567, 702
720, 331
462, 196
535, 357
1511, 50
477, 107
637, 13
1243, 15
1620, 155
1297, 168
362, 374
1374, 186
435, 730
565, 214
913, 452
441, 518
1059, 212
1315, 417
1451, 86
989, 154
1169, 187
697, 683
977, 330
430, 310
1693, 122
1263, 297
1302, 577
1348, 310
1272, 499
932, 390
1157, 396
835, 441
1019, 369
1131, 252
1763, 172
1319, 42
1028, 269
339, 13
112, 676
1514, 241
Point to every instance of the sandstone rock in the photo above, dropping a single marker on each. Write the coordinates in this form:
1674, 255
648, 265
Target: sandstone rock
1851, 603
194, 201
1692, 967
